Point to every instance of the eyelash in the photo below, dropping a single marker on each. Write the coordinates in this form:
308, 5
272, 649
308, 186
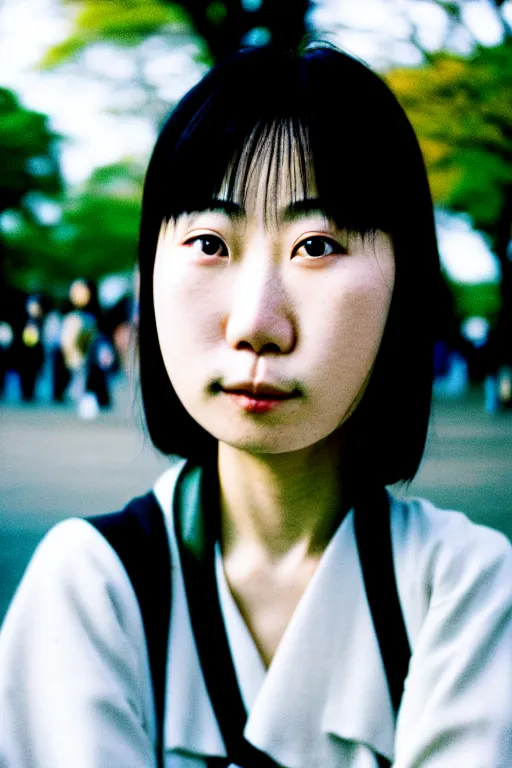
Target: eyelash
336, 248
212, 238
333, 244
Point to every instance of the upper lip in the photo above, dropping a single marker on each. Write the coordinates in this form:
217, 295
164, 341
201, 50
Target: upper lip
259, 388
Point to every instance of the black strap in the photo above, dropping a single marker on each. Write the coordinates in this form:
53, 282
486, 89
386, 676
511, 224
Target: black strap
196, 539
148, 566
139, 536
195, 542
373, 534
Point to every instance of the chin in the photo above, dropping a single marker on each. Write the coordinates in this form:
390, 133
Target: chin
251, 444
275, 441
258, 437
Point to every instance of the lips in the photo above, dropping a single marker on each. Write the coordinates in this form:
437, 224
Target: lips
259, 391
257, 398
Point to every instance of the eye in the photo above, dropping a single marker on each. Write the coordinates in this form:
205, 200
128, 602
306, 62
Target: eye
315, 247
211, 245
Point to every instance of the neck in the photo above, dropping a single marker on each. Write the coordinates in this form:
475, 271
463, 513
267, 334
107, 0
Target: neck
279, 501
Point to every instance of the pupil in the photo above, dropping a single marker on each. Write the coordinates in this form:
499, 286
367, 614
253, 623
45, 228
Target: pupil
210, 246
315, 247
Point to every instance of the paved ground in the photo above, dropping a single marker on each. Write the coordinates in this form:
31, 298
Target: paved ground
468, 462
55, 466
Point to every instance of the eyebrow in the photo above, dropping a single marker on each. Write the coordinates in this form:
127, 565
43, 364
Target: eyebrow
300, 208
291, 212
231, 209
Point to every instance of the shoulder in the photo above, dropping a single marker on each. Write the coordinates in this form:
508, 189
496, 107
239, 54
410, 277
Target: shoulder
75, 570
75, 607
442, 555
72, 545
455, 584
73, 651
447, 538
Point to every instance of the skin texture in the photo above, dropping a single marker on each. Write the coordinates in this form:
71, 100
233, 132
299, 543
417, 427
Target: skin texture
261, 310
290, 301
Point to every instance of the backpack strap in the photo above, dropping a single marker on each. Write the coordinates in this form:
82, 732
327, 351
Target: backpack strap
148, 567
196, 522
138, 535
372, 523
196, 517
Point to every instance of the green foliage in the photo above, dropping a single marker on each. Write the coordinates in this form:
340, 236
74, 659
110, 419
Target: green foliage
217, 27
28, 159
29, 169
33, 258
123, 22
96, 235
100, 226
216, 12
461, 109
482, 300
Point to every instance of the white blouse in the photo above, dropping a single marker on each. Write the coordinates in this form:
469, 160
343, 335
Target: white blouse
75, 688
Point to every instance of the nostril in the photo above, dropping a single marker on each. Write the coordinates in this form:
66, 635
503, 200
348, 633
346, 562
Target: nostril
244, 345
270, 348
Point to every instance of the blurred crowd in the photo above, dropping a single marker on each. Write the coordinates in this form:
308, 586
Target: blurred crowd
73, 351
76, 347
474, 359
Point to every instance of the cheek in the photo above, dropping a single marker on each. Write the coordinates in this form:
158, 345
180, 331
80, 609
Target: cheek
365, 312
186, 312
350, 326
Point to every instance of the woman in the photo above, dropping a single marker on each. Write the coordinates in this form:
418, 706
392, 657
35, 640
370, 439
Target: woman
288, 269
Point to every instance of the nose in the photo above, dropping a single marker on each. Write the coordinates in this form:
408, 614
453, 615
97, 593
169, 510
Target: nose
260, 318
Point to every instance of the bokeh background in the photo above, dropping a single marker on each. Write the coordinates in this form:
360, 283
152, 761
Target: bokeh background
84, 86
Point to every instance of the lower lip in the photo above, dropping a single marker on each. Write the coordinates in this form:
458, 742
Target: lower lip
257, 404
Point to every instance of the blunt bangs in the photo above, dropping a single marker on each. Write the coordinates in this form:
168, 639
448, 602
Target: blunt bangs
352, 137
319, 119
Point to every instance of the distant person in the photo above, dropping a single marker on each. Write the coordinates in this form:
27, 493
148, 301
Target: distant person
120, 319
6, 342
52, 340
30, 350
490, 354
79, 327
270, 603
101, 364
13, 317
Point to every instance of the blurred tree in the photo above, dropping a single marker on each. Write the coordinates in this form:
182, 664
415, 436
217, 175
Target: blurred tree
29, 173
226, 26
123, 22
476, 299
458, 152
164, 39
223, 26
101, 221
461, 108
152, 30
455, 24
95, 235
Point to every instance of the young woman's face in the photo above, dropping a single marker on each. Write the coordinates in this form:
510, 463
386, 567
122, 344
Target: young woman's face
269, 325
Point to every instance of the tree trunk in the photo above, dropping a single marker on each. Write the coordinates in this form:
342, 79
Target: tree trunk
225, 25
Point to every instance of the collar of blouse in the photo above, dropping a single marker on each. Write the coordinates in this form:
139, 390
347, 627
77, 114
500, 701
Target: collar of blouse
324, 697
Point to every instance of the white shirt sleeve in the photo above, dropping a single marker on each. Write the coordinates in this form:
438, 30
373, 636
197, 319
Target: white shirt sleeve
457, 705
75, 689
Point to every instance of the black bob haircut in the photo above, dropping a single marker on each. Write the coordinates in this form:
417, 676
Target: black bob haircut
369, 174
